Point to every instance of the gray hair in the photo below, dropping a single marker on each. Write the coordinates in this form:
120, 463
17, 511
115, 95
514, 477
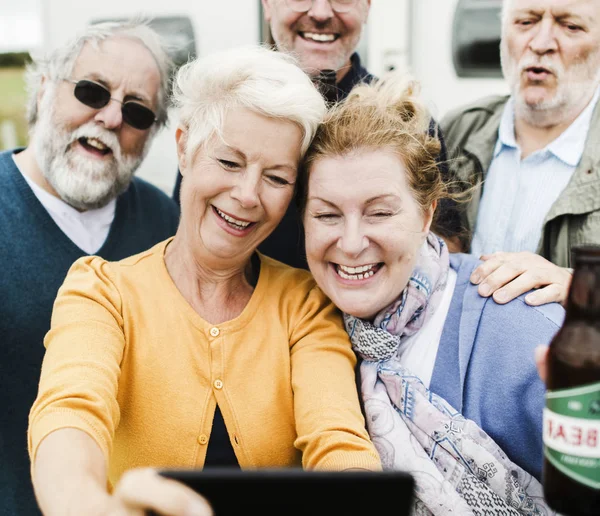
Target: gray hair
257, 78
59, 63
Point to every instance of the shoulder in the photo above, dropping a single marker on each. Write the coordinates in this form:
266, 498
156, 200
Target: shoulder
149, 196
512, 316
295, 288
7, 163
149, 208
115, 272
285, 278
473, 115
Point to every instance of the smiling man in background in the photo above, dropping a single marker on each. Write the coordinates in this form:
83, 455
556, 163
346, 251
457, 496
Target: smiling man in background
536, 152
95, 105
323, 35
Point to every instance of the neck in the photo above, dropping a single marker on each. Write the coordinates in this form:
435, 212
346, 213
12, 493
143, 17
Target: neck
28, 164
217, 293
535, 130
343, 71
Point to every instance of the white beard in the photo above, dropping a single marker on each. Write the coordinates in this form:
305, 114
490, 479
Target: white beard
82, 182
574, 89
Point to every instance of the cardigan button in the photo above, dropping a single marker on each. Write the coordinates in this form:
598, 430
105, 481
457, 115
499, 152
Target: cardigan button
218, 384
202, 439
214, 331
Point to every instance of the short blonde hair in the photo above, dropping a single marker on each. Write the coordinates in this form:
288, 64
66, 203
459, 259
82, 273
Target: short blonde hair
258, 78
384, 114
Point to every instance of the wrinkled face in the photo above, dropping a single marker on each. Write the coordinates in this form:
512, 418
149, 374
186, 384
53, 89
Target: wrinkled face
321, 38
551, 54
235, 190
364, 229
89, 155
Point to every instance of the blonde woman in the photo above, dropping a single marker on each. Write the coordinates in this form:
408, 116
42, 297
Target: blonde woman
201, 351
447, 377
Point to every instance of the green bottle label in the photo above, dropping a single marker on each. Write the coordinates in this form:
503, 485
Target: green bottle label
572, 433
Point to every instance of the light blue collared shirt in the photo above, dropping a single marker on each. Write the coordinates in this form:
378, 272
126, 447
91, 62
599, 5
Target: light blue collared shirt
517, 193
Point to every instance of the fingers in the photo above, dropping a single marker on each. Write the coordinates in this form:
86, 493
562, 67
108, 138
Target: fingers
144, 489
483, 270
541, 361
508, 289
508, 275
495, 275
551, 293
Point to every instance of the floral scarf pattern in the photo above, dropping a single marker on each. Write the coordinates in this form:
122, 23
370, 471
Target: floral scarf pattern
458, 468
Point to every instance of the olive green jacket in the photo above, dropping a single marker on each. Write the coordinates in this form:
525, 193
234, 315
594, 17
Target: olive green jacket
471, 133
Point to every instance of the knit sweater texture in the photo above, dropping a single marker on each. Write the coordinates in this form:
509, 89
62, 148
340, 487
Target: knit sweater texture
35, 256
132, 364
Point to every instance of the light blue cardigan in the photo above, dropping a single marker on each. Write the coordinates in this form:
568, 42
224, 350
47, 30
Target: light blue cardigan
485, 365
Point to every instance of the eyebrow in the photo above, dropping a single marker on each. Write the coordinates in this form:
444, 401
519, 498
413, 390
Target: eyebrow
377, 198
368, 202
241, 154
560, 16
96, 77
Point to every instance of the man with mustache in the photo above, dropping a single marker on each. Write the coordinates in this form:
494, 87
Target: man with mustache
95, 104
535, 154
324, 35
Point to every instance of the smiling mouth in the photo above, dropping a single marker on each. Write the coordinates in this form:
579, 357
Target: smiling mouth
238, 224
361, 272
94, 146
319, 37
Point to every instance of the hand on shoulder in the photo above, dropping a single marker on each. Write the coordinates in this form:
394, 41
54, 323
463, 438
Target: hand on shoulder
505, 276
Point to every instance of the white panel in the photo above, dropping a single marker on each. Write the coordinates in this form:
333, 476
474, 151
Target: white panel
431, 59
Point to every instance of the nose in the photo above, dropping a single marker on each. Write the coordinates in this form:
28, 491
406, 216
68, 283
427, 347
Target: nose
110, 116
320, 10
245, 190
544, 40
353, 240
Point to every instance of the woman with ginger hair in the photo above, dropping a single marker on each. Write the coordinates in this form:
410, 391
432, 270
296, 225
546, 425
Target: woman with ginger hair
447, 377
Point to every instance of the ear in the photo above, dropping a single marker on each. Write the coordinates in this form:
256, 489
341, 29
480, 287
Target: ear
181, 136
267, 10
429, 216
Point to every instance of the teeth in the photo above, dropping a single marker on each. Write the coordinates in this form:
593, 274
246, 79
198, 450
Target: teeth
239, 223
97, 144
355, 277
356, 273
357, 270
319, 37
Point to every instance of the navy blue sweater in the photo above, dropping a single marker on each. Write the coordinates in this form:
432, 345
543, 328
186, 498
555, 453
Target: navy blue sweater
35, 256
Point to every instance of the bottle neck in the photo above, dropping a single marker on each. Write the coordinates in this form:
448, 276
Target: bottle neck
584, 295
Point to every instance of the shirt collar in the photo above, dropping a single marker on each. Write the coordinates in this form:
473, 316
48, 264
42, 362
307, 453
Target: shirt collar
506, 131
568, 147
356, 74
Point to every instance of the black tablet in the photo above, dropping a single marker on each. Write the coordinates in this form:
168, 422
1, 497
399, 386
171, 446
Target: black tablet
289, 491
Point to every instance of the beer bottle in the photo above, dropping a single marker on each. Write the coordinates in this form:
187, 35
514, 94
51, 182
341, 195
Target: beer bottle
571, 471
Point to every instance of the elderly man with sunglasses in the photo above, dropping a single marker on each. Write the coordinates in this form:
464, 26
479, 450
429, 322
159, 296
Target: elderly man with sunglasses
95, 105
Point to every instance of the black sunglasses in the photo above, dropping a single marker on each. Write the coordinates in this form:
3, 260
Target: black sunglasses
96, 96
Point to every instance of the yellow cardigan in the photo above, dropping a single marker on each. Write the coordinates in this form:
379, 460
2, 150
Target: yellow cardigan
132, 364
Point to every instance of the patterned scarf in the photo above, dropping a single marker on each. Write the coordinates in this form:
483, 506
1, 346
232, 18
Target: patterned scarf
458, 468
